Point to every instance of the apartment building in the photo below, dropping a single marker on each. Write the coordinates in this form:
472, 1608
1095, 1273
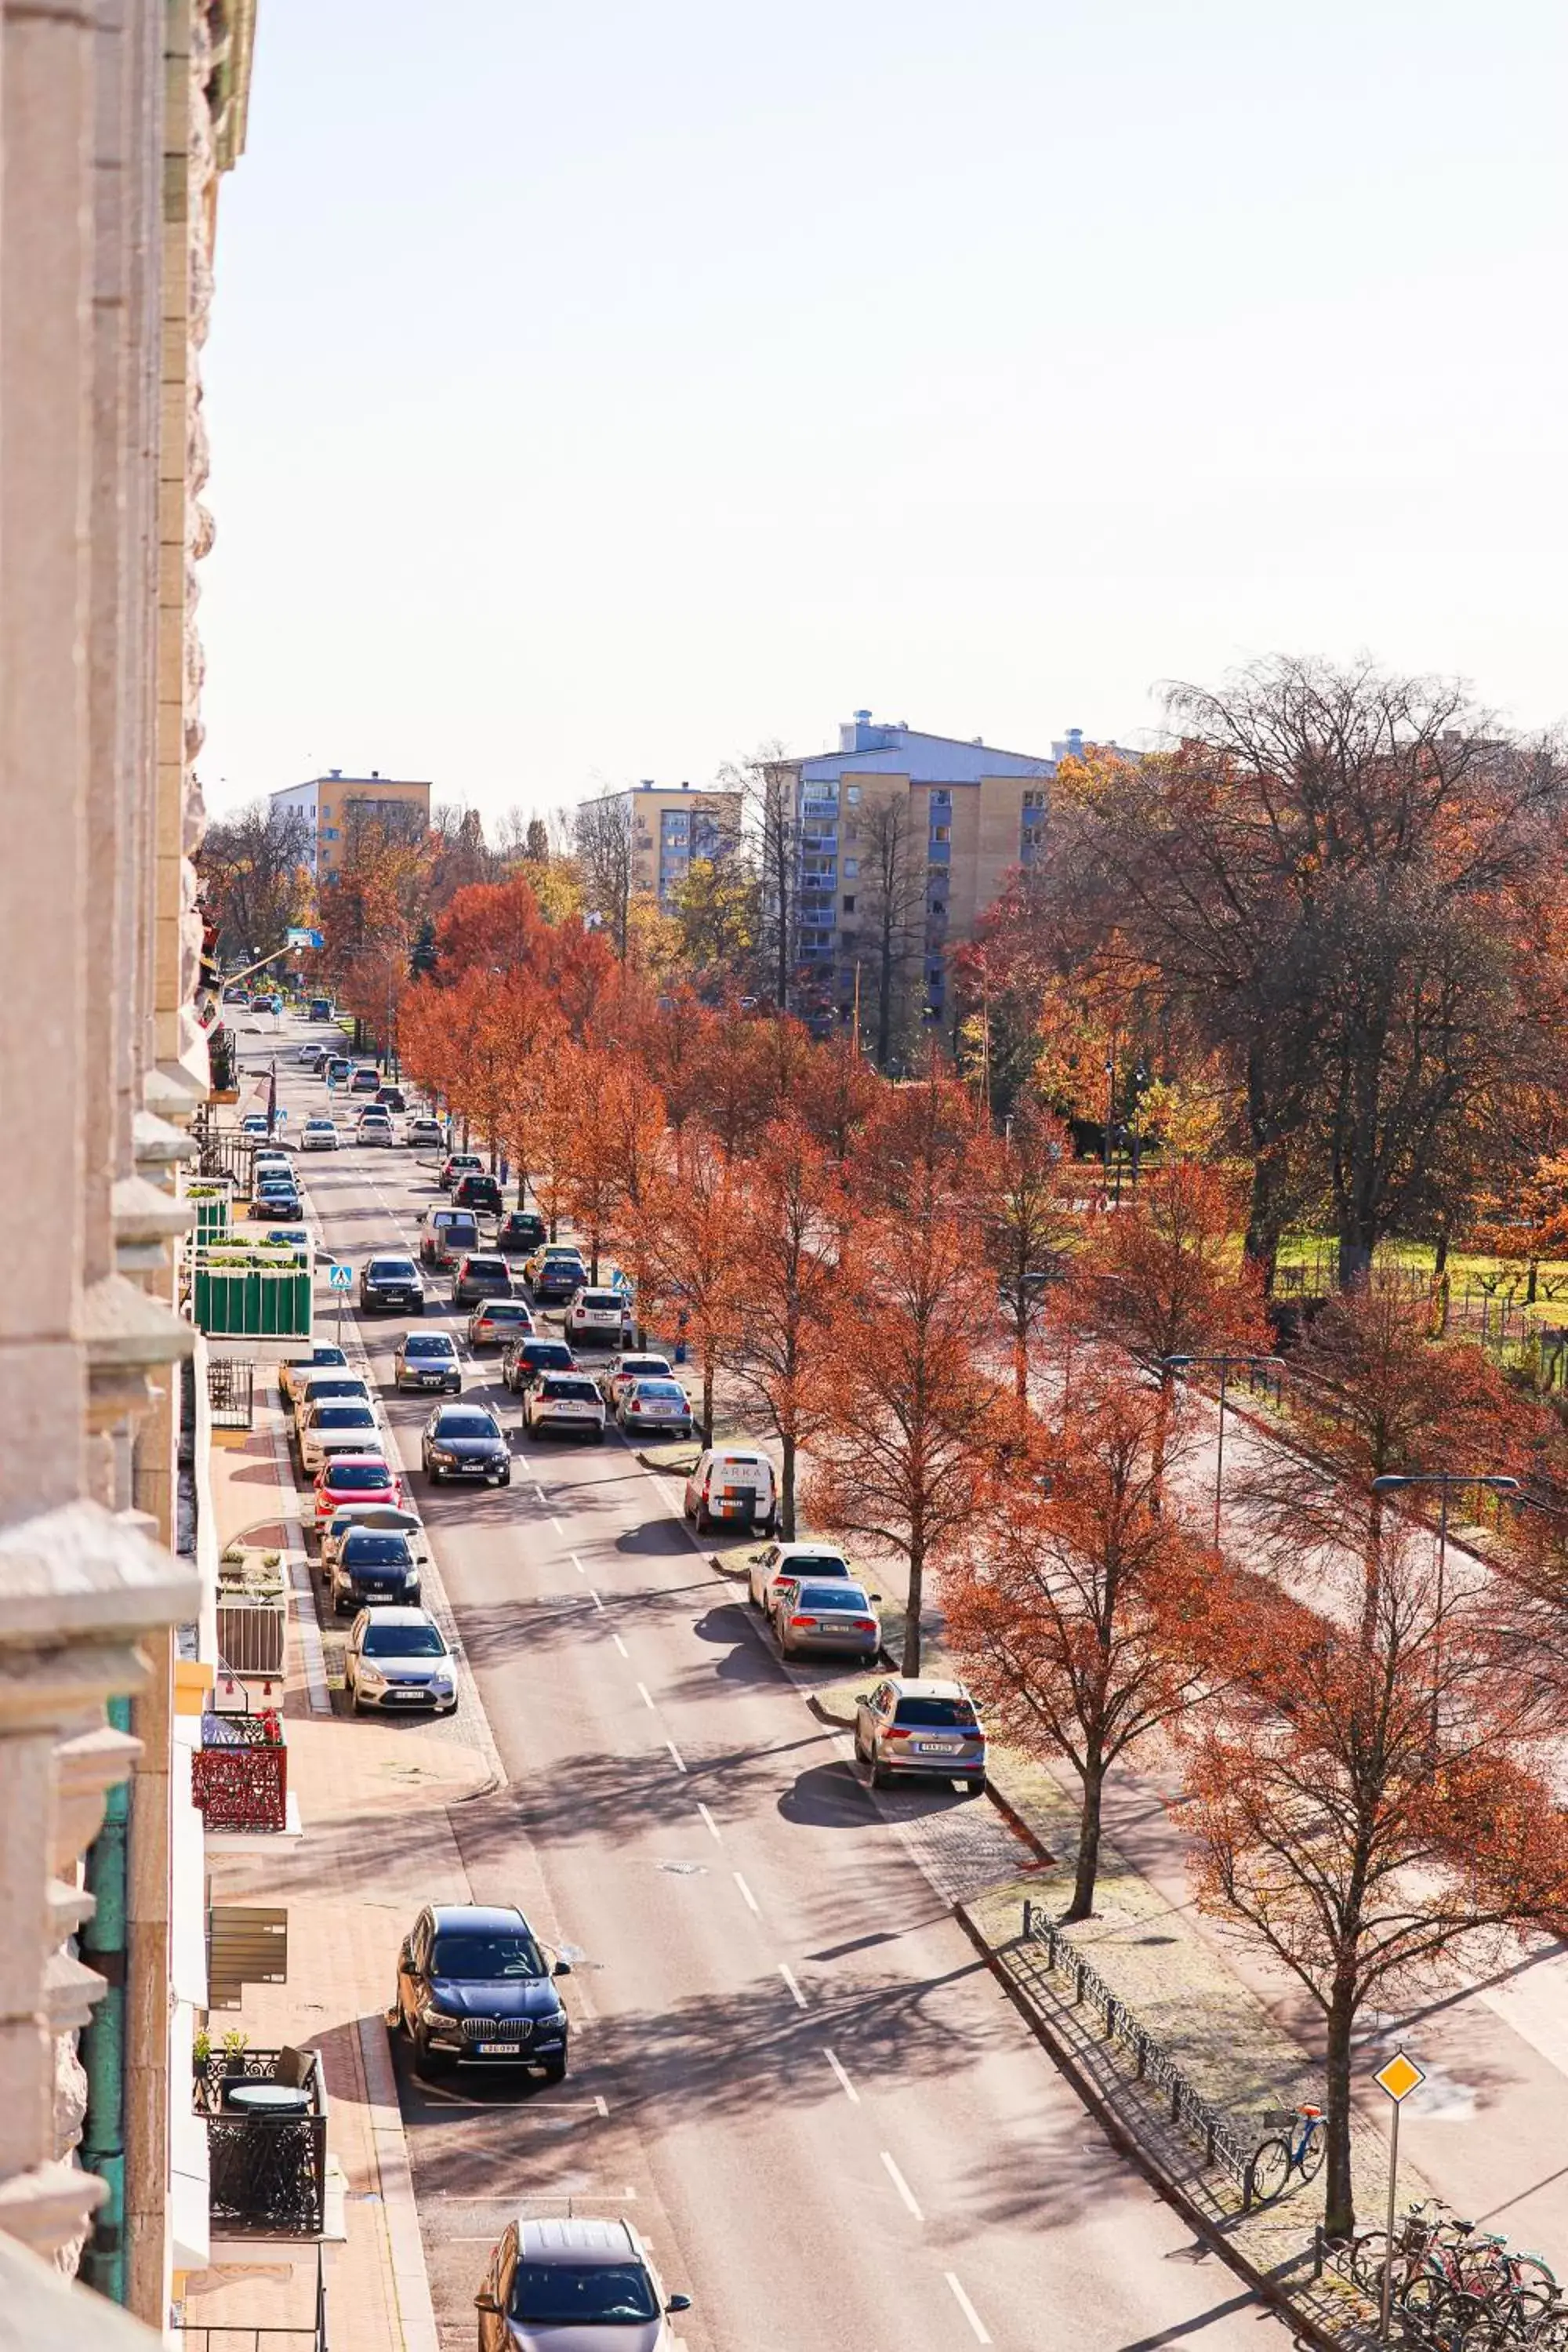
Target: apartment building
907, 836
670, 826
330, 803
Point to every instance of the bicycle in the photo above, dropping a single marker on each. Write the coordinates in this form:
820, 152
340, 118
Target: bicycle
1275, 2160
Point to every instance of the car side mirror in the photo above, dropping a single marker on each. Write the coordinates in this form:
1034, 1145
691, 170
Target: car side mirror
679, 2303
862, 1699
486, 2301
877, 1598
562, 1969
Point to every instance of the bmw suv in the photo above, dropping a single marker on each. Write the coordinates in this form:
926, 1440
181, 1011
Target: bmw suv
474, 1987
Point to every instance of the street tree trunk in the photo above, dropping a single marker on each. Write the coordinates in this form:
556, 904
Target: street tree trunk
1339, 2217
786, 1488
707, 1397
1087, 1873
910, 1663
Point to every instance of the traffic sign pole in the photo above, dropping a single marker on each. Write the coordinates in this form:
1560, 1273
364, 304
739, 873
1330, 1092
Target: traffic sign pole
1397, 2080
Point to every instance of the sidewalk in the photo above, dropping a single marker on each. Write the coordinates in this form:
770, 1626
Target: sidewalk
376, 1842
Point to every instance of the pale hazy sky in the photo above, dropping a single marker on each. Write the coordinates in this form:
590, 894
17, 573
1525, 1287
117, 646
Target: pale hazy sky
598, 390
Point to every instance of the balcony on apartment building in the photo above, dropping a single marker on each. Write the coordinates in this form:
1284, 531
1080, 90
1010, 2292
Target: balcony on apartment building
266, 2117
239, 1774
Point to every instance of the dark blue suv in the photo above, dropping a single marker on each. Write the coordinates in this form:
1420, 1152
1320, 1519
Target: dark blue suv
474, 1988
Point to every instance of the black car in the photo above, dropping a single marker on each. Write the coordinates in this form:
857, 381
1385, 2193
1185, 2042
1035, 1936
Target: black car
372, 1566
480, 1277
474, 1988
521, 1232
465, 1440
428, 1359
388, 1283
558, 1279
393, 1096
481, 1194
523, 1358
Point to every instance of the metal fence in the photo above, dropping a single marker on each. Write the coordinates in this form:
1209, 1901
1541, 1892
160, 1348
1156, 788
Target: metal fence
231, 1392
1222, 2144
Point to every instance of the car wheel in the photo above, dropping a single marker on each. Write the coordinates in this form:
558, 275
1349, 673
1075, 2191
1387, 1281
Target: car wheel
554, 2070
434, 1476
976, 1784
701, 1520
878, 1778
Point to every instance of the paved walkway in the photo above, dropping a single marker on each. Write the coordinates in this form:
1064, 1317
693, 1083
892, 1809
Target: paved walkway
374, 1804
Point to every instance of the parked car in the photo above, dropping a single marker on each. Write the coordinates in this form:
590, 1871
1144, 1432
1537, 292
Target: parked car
389, 1284
425, 1135
657, 1405
569, 2280
355, 1479
428, 1359
619, 1376
385, 1518
477, 1192
523, 1359
366, 1081
465, 1441
769, 1571
475, 1986
826, 1614
374, 1127
392, 1099
322, 1358
345, 1426
277, 1197
458, 1164
235, 993
396, 1660
494, 1321
273, 1161
371, 1565
310, 1054
733, 1485
447, 1234
480, 1275
923, 1727
554, 1273
336, 1385
521, 1232
255, 1123
565, 1403
319, 1135
596, 1319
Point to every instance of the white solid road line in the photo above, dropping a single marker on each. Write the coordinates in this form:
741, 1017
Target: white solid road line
902, 2185
713, 1830
981, 2335
845, 2084
646, 1693
747, 1896
789, 1977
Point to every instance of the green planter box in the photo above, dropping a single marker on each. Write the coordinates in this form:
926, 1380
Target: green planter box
253, 1303
214, 1211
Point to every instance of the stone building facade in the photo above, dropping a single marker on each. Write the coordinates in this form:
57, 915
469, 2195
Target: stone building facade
117, 118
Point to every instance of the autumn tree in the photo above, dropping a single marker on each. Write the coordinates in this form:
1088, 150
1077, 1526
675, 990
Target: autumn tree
684, 1244
1028, 1222
1084, 1616
786, 1276
604, 845
835, 1094
255, 873
1370, 1808
767, 785
891, 924
908, 1408
717, 906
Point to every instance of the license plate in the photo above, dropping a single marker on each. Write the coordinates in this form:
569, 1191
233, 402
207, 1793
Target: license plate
497, 2048
430, 1380
938, 1747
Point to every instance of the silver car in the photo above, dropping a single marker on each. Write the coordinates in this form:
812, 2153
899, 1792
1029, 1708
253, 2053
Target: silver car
831, 1617
924, 1728
573, 2281
396, 1661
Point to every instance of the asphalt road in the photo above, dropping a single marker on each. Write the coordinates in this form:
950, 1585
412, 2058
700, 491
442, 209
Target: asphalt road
790, 2067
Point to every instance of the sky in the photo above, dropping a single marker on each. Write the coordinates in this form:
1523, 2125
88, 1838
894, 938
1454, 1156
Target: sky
603, 392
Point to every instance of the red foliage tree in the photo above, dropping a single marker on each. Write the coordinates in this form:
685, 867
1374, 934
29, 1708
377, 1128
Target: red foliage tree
787, 1278
684, 1243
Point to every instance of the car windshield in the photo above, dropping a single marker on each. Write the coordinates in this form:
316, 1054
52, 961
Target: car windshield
583, 2295
428, 1343
363, 1549
472, 1958
367, 1477
325, 1356
320, 1126
936, 1714
834, 1596
403, 1642
323, 1392
393, 1269
466, 1424
343, 1416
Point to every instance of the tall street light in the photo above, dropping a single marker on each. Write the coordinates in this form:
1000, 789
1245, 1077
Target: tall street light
1223, 1364
1391, 1483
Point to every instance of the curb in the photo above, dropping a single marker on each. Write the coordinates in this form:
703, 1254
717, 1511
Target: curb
1268, 2290
410, 2278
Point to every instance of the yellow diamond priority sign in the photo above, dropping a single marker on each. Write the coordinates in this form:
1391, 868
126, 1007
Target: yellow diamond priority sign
1399, 2077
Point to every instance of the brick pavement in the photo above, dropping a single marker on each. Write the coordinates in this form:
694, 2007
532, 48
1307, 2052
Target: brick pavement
377, 1841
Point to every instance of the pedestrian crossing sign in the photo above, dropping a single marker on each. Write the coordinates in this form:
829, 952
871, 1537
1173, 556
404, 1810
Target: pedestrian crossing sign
341, 1277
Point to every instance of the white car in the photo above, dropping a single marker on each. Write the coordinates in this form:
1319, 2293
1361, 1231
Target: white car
339, 1425
567, 1404
262, 1161
733, 1485
781, 1563
333, 1384
319, 1135
425, 1135
374, 1127
595, 1316
618, 1377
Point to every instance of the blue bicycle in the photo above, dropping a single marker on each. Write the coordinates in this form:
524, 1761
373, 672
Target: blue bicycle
1300, 2149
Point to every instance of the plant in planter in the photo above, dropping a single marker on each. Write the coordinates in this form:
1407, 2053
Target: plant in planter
201, 2046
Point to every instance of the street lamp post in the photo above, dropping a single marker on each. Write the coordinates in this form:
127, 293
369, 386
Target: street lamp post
1223, 1364
1391, 1482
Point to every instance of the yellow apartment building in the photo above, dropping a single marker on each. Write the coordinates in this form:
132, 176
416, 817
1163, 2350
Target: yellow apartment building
671, 824
329, 804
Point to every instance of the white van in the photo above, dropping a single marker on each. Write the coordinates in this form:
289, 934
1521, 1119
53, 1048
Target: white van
733, 1485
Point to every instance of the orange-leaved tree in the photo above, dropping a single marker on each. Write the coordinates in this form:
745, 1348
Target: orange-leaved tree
787, 1277
1084, 1620
1368, 1806
1029, 1224
909, 1409
684, 1245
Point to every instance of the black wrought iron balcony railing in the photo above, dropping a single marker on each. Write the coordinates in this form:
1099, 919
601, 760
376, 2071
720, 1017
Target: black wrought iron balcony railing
266, 2114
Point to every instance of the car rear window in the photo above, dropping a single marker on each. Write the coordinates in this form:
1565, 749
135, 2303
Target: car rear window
937, 1714
584, 1392
801, 1566
603, 1299
505, 1310
748, 1463
364, 1549
492, 1265
667, 1389
834, 1596
542, 1352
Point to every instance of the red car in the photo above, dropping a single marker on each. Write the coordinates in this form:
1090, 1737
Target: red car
355, 1478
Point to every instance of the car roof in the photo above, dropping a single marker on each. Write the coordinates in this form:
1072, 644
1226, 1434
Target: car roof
788, 1551
391, 1516
925, 1686
575, 2237
405, 1615
357, 1462
478, 1918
